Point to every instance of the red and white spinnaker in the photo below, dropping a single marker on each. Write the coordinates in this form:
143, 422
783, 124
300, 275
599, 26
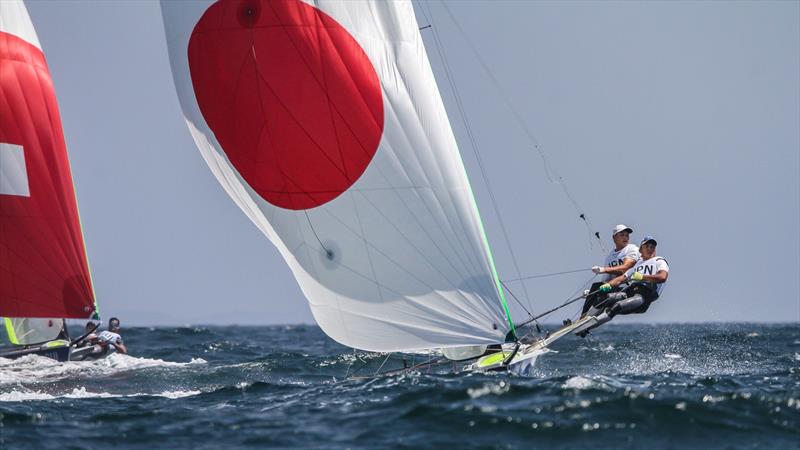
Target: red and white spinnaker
323, 122
43, 267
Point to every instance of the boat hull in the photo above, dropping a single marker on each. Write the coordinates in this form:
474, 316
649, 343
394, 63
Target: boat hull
60, 354
60, 351
526, 354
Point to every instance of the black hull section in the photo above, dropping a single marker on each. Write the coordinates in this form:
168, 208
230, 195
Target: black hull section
89, 353
60, 354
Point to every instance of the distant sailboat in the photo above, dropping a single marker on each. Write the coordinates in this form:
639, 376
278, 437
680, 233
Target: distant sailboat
44, 272
323, 122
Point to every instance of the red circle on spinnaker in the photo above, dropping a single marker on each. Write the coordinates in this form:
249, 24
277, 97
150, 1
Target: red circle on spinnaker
290, 95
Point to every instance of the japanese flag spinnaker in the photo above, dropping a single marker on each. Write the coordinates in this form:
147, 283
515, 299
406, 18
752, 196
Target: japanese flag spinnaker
323, 122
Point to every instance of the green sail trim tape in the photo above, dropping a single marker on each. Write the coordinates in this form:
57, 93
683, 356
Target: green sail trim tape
512, 335
12, 336
96, 313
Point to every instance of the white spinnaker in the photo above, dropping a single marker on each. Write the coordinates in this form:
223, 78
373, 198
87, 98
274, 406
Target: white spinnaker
410, 267
29, 331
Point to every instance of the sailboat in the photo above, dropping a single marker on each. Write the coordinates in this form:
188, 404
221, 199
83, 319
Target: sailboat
44, 271
323, 122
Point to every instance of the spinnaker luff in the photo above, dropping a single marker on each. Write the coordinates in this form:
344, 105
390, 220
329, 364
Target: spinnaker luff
44, 271
323, 122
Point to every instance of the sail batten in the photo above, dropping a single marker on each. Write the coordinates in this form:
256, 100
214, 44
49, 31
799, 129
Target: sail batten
338, 148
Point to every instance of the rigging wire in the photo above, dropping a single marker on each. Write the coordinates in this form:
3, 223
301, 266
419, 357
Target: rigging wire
552, 175
544, 275
567, 302
515, 298
471, 137
388, 355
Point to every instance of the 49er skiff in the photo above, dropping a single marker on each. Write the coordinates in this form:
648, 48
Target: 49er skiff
323, 122
44, 272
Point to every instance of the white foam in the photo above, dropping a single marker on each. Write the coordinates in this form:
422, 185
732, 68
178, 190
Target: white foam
33, 368
579, 382
672, 356
489, 388
82, 393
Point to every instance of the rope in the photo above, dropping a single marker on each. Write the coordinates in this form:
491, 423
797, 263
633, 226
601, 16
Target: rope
552, 175
329, 253
384, 362
515, 298
547, 275
473, 143
550, 311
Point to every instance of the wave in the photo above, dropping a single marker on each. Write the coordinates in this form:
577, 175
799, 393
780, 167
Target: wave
36, 369
82, 393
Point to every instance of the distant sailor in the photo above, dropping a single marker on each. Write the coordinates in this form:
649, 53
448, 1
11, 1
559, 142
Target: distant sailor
647, 280
619, 261
90, 337
90, 328
110, 339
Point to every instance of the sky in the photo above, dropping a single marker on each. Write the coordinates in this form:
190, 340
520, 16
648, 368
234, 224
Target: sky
679, 119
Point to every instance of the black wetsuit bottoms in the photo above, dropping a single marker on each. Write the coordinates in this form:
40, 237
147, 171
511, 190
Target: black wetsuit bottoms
601, 300
597, 299
638, 297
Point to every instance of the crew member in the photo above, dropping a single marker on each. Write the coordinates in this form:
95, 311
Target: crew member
111, 339
647, 279
618, 261
90, 338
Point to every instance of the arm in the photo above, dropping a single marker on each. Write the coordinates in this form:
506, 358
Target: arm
660, 277
120, 347
627, 263
614, 282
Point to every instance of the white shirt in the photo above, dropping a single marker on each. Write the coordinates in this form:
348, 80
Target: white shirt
651, 267
617, 257
111, 338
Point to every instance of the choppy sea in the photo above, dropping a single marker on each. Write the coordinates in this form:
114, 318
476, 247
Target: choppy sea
627, 386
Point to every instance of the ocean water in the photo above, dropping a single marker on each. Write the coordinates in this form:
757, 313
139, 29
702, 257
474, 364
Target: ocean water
627, 386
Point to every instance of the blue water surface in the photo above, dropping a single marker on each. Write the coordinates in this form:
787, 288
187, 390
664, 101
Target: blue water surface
626, 386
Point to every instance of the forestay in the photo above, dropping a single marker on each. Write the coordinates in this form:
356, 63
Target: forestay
323, 122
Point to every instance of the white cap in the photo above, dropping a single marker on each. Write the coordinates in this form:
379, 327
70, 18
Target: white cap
621, 227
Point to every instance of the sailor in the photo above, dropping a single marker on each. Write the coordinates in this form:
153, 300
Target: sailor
618, 261
647, 280
110, 339
91, 336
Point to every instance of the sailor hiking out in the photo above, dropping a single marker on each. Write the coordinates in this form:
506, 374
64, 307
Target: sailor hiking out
110, 339
99, 345
619, 260
646, 279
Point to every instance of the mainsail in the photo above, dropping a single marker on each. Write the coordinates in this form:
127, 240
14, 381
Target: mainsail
30, 331
43, 267
323, 122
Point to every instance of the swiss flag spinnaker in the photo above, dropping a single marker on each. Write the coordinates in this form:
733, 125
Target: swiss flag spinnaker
43, 267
